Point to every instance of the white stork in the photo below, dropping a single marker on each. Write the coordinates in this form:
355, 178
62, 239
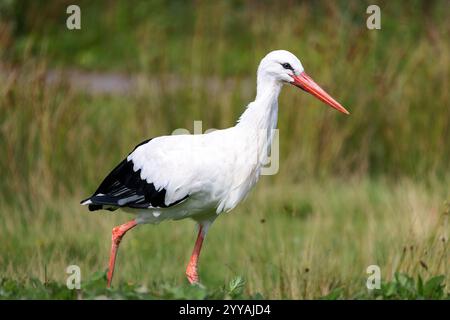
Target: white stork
201, 176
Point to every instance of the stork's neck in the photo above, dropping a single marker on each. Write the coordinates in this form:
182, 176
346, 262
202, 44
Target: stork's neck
259, 120
263, 112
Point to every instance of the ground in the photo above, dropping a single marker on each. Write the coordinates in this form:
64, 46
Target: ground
310, 241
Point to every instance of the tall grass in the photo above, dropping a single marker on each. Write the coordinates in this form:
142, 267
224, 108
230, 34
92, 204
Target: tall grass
394, 82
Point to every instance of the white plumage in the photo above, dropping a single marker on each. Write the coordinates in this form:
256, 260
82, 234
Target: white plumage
201, 176
216, 170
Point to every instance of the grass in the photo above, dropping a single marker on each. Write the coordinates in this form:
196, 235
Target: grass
351, 191
401, 287
307, 242
393, 81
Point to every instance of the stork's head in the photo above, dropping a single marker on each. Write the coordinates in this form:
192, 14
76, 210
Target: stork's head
283, 67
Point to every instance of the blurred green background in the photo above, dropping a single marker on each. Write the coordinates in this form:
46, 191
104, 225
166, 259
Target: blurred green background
73, 103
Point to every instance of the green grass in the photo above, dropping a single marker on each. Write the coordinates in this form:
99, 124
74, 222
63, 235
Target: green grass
401, 287
305, 241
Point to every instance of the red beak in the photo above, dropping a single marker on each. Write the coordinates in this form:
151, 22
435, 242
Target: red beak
303, 81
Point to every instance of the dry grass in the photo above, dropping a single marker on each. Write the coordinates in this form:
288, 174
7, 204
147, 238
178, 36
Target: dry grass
300, 242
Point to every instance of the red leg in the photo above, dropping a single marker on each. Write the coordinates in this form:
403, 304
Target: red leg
117, 234
191, 271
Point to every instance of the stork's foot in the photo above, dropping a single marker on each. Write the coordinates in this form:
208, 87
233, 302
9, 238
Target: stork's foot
117, 235
191, 270
192, 274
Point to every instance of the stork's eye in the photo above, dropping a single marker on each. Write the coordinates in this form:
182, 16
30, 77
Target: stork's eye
287, 66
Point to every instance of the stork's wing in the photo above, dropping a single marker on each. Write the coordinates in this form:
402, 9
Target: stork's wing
134, 184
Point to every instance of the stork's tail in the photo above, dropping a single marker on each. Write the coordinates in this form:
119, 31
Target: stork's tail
86, 202
94, 206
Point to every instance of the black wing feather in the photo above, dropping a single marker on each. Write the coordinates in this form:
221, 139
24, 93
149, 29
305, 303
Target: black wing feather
123, 187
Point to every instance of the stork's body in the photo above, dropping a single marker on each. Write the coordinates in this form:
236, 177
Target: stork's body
201, 176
